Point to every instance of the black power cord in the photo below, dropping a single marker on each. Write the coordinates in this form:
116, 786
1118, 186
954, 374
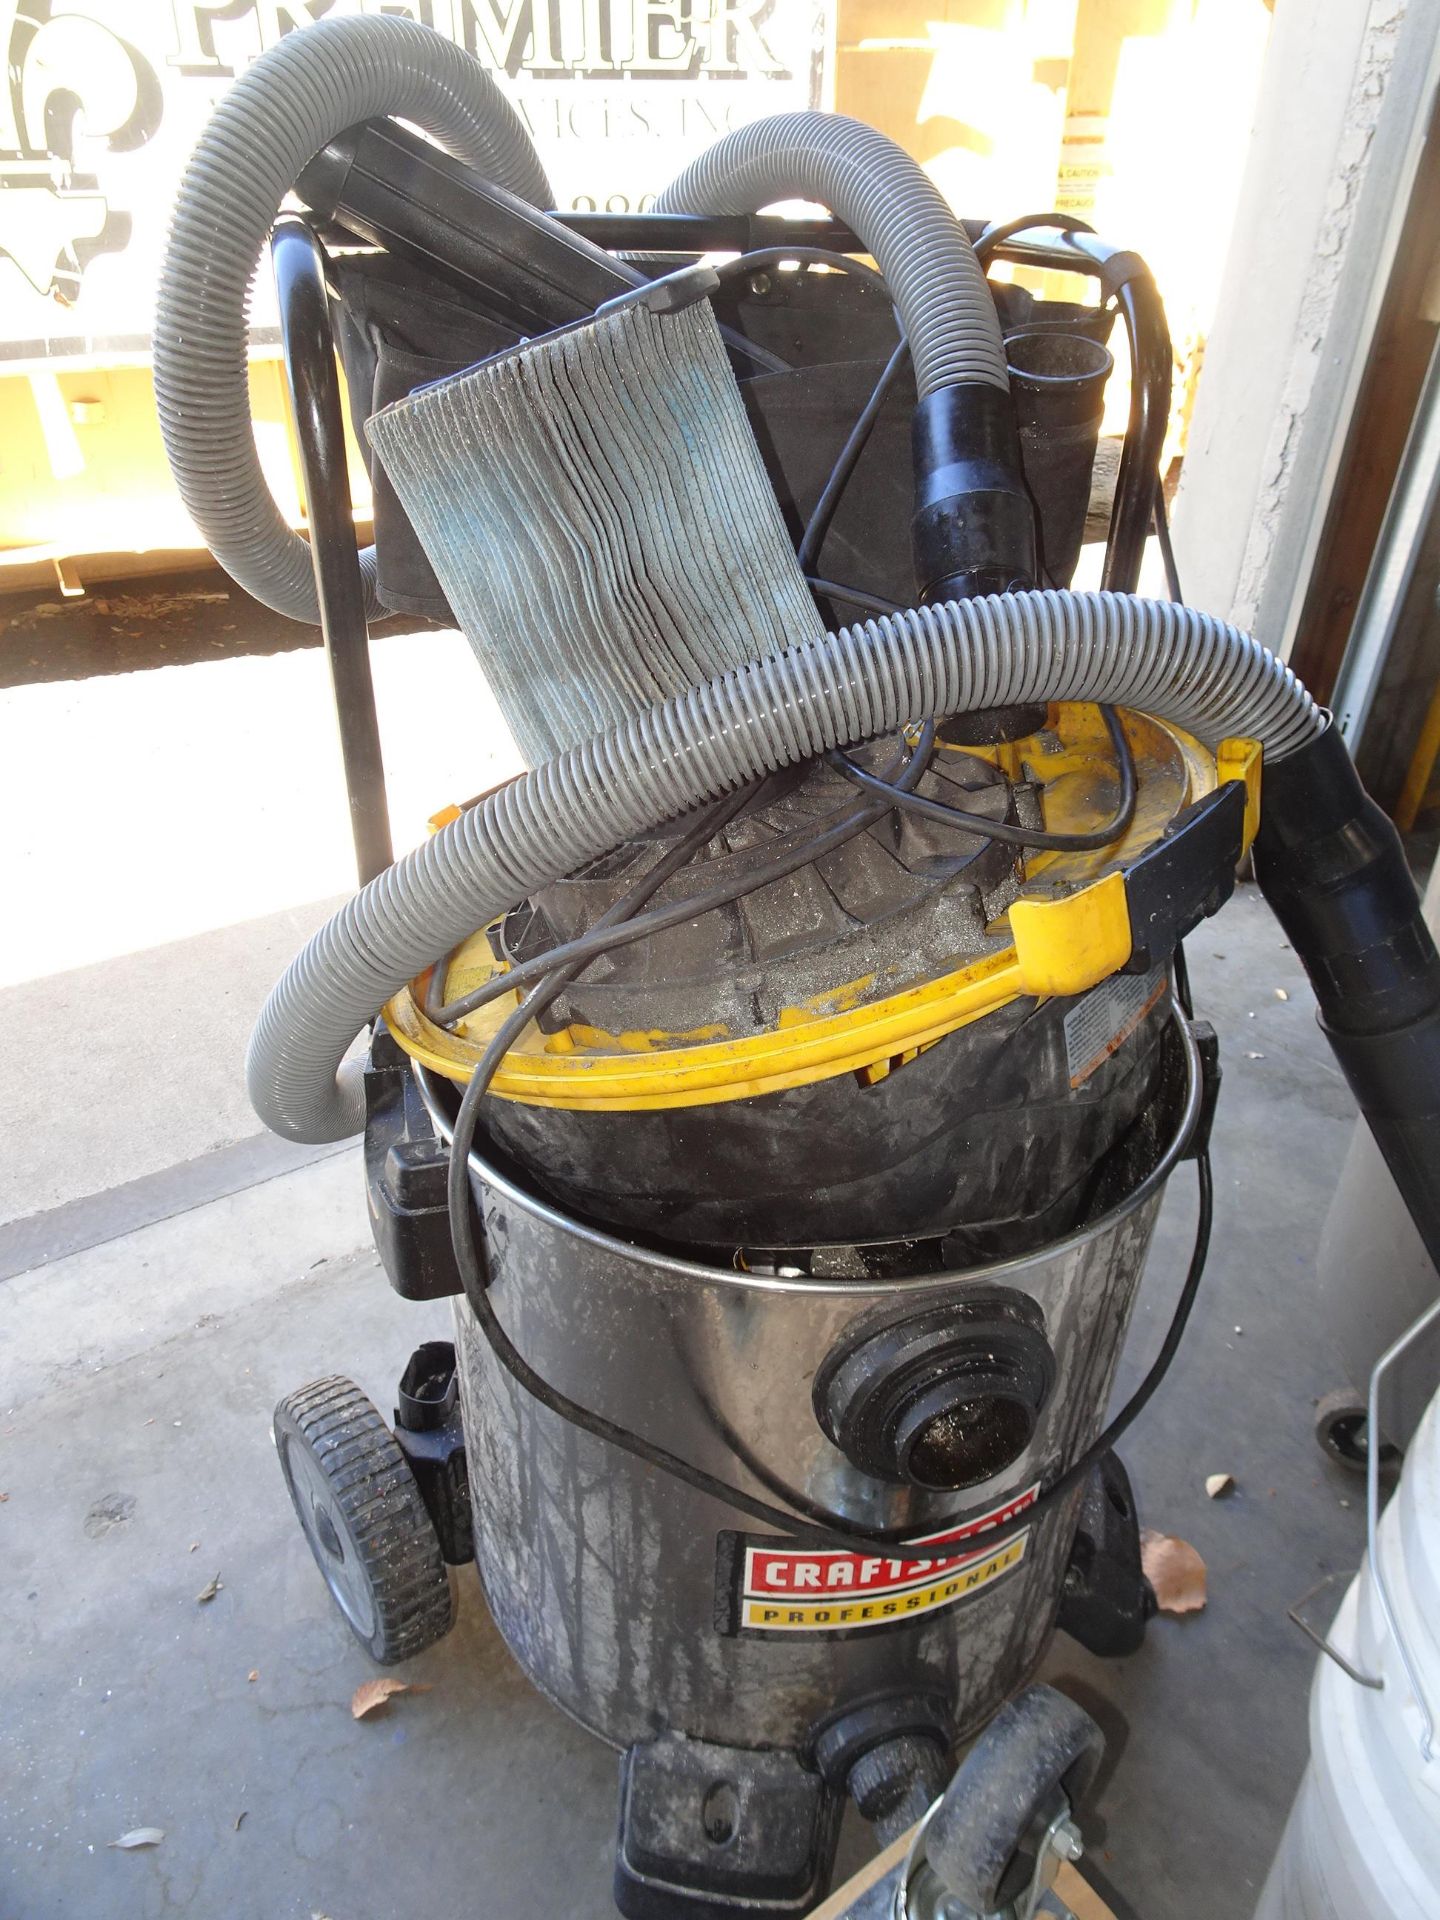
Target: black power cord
823, 512
618, 914
761, 257
996, 236
1167, 545
852, 596
810, 1525
1004, 830
832, 1531
610, 933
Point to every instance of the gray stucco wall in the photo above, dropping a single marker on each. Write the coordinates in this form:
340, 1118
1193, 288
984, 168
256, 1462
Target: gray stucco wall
1342, 97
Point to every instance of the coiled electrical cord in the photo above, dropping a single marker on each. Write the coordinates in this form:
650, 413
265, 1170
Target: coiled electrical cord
816, 528
619, 913
815, 1526
804, 1522
609, 933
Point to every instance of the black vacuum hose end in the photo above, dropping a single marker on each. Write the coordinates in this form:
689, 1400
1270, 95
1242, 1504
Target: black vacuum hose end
1331, 865
944, 1397
974, 525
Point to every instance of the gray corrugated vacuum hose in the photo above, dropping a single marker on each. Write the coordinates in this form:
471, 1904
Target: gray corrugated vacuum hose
297, 96
854, 685
885, 198
595, 507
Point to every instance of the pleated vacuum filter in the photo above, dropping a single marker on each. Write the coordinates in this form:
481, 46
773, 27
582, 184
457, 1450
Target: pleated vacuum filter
597, 512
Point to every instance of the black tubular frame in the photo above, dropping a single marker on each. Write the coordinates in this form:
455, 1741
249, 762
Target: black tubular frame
308, 341
308, 345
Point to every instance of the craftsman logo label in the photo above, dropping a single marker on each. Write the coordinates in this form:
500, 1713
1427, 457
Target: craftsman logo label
790, 1590
1104, 1019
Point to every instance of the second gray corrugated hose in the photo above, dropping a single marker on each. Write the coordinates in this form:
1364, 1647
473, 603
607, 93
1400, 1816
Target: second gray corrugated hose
277, 116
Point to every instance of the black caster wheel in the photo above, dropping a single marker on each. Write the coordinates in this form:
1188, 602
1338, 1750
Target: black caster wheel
361, 1512
1342, 1432
1004, 1825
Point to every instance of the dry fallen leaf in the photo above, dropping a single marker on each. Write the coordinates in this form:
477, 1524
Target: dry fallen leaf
140, 1837
1174, 1569
374, 1693
209, 1591
1218, 1483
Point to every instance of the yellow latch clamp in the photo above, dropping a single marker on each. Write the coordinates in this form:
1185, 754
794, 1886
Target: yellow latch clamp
1070, 943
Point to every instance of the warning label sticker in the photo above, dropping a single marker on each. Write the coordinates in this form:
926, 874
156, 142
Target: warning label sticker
790, 1590
1105, 1019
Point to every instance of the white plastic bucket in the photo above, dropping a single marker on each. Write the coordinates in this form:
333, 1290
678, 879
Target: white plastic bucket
1363, 1838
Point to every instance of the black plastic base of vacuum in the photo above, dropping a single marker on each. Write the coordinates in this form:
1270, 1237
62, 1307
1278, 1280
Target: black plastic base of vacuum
721, 1833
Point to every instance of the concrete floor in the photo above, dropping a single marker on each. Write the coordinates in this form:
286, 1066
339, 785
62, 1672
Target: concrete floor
171, 1276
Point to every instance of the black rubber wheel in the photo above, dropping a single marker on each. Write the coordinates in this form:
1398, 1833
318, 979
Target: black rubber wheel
1342, 1431
982, 1838
366, 1524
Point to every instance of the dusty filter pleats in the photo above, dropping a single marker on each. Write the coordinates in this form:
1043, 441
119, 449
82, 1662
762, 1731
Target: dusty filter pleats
596, 509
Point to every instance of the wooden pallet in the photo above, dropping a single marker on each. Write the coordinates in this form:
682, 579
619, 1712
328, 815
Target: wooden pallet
1075, 1897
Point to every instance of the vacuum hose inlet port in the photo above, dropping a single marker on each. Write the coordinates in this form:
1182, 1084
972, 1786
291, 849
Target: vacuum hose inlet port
947, 1397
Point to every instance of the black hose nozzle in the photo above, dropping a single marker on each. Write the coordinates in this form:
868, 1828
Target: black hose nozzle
974, 525
1331, 865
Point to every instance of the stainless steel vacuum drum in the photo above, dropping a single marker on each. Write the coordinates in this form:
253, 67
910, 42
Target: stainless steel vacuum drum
617, 1587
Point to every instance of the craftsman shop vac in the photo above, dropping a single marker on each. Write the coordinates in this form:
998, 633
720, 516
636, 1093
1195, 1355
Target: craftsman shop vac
783, 1075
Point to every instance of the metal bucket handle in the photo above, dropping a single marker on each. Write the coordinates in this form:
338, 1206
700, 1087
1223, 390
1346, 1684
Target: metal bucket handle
1376, 1681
